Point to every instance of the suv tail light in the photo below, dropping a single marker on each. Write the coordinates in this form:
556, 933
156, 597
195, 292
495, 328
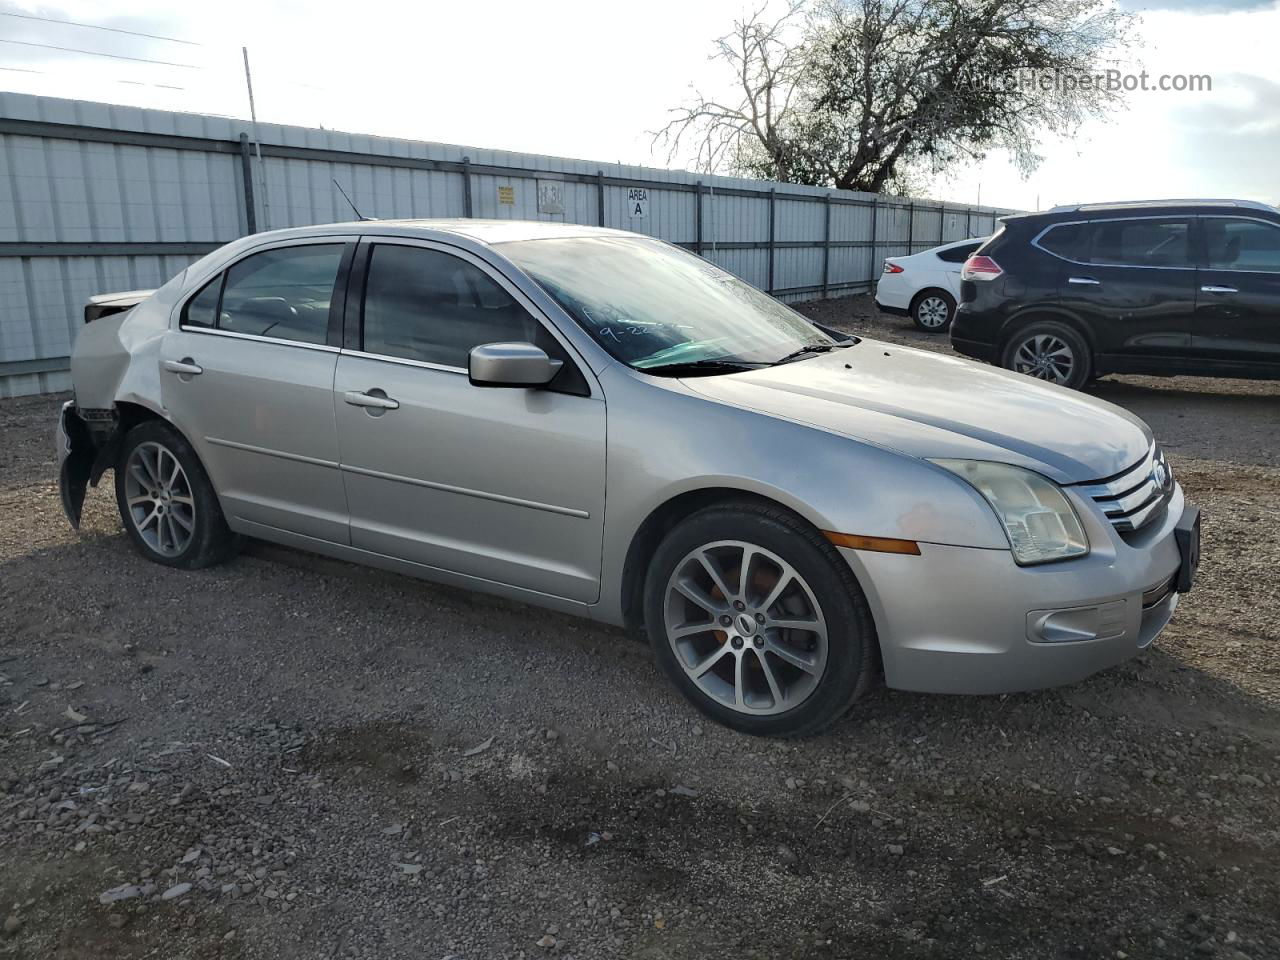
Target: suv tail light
892, 267
980, 268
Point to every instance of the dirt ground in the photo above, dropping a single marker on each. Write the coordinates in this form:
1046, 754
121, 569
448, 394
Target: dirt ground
292, 757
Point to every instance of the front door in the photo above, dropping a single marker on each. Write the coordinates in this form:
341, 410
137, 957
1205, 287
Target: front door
248, 376
504, 485
1237, 317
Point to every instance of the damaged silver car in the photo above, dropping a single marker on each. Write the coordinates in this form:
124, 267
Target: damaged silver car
606, 425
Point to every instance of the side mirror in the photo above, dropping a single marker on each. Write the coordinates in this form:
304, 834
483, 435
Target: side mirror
511, 365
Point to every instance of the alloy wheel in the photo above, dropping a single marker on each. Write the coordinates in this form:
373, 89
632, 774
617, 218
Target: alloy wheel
746, 627
159, 498
932, 312
1045, 356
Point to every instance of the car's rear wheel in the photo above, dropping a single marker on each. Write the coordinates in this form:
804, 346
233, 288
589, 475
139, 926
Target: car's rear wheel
1048, 350
167, 504
933, 310
758, 621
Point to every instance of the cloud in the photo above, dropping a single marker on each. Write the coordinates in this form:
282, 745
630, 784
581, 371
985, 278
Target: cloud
1196, 6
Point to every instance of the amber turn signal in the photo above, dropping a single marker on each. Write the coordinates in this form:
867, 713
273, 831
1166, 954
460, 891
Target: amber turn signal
877, 544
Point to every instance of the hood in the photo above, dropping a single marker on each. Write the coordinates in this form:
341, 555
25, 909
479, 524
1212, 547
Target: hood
932, 405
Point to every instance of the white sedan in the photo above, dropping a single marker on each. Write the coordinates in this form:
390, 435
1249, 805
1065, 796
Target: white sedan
926, 285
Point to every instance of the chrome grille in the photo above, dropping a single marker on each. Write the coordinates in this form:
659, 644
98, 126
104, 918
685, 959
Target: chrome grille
1136, 496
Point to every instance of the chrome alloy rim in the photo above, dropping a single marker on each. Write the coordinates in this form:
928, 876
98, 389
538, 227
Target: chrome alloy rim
932, 312
158, 494
1045, 357
745, 627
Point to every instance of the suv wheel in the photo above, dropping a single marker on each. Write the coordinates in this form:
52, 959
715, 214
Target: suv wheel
758, 621
1049, 350
933, 310
166, 501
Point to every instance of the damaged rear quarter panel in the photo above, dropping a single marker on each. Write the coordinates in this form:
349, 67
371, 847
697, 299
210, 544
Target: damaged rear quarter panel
117, 358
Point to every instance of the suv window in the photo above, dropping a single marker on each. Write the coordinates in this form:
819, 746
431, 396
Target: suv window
1065, 239
422, 304
959, 254
1139, 243
281, 293
1242, 244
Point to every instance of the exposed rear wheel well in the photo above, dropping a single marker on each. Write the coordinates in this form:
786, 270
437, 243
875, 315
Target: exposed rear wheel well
129, 415
655, 527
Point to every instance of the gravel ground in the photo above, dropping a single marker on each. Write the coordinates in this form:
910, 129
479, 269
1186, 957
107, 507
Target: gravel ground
293, 757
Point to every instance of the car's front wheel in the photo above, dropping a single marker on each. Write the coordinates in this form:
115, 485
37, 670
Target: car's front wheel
933, 310
758, 621
1048, 350
168, 505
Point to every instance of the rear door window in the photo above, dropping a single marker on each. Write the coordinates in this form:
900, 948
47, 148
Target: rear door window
1065, 240
1242, 245
282, 293
959, 254
1139, 243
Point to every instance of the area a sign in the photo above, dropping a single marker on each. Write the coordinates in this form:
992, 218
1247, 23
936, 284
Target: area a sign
638, 203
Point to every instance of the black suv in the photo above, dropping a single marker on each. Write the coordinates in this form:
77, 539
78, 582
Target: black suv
1163, 287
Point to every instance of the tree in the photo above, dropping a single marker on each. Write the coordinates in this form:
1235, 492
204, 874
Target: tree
857, 93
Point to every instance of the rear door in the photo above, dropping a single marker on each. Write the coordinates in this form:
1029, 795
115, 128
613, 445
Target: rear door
1132, 281
248, 377
1237, 319
498, 484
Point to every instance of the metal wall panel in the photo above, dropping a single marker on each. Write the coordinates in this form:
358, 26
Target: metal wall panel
75, 175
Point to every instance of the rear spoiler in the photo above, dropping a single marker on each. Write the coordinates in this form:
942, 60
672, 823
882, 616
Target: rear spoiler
105, 304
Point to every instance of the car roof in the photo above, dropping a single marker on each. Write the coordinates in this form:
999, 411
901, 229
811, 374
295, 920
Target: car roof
1146, 208
1146, 204
481, 231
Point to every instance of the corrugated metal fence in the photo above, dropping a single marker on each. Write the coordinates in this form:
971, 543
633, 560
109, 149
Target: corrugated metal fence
97, 198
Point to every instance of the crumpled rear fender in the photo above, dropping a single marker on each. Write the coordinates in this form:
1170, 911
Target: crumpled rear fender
76, 455
84, 455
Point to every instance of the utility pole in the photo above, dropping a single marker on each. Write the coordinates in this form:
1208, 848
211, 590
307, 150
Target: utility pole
257, 144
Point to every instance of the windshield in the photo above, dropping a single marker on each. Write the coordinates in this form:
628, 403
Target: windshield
652, 305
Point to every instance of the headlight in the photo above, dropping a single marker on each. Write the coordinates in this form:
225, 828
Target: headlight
1038, 519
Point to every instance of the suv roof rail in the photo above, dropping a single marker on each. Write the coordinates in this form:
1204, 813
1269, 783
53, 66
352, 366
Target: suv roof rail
1182, 201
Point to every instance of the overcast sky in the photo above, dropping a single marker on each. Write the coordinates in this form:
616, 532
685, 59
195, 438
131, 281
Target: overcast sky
587, 79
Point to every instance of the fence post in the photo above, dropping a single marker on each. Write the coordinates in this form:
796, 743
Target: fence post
875, 218
466, 187
911, 228
773, 199
246, 170
968, 222
697, 217
942, 222
600, 197
826, 248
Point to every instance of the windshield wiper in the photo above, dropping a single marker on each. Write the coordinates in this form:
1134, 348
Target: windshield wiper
808, 350
701, 367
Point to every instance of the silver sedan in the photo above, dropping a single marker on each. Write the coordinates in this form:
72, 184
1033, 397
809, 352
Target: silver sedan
604, 424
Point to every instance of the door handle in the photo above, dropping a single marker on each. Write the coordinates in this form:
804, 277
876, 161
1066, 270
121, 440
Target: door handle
1087, 281
1214, 288
383, 402
185, 367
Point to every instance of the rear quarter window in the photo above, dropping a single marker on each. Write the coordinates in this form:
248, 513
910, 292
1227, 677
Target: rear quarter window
959, 254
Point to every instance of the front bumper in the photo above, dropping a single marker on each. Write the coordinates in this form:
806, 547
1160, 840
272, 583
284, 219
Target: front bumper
965, 620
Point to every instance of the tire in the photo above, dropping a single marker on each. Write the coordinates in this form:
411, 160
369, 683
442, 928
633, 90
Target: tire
927, 310
753, 680
167, 504
1051, 351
